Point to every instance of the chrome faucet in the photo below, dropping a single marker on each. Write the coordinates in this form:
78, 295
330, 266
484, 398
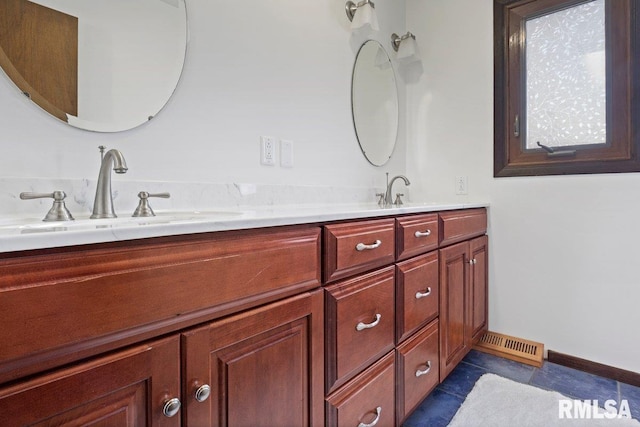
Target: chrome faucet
388, 198
103, 204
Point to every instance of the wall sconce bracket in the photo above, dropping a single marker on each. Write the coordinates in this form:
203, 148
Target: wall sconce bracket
396, 39
351, 7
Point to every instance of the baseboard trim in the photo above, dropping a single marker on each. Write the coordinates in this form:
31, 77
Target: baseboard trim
595, 368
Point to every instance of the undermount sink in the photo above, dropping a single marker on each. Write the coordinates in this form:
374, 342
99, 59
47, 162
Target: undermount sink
84, 222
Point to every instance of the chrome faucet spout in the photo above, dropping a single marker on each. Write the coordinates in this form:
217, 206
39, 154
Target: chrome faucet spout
388, 195
103, 204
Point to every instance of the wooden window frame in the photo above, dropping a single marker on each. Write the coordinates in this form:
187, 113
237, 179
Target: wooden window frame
621, 153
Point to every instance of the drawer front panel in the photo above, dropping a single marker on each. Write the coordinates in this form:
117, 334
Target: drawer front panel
416, 235
456, 226
417, 290
417, 369
360, 324
367, 399
93, 300
355, 247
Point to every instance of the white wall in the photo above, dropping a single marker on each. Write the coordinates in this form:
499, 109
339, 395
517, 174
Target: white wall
562, 255
279, 68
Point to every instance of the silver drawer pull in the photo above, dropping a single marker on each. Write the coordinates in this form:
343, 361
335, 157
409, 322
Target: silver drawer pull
362, 326
423, 294
362, 247
375, 421
425, 372
422, 233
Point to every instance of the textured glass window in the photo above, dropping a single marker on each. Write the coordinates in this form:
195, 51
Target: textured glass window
565, 77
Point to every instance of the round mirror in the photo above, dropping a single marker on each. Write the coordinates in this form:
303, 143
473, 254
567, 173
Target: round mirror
374, 103
101, 65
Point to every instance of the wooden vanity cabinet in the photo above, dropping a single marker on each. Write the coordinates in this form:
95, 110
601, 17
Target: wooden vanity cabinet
110, 333
125, 389
261, 349
67, 304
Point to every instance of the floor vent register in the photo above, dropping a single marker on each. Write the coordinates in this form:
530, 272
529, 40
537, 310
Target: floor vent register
518, 349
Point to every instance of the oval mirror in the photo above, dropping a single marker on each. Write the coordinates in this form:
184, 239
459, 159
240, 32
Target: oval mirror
374, 103
101, 65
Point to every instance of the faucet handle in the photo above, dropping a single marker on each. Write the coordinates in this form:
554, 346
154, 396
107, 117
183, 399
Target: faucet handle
144, 209
398, 201
380, 199
58, 211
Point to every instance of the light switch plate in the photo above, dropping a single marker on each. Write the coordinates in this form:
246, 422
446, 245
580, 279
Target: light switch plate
286, 153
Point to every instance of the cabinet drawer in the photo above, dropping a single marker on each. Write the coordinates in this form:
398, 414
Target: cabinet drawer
456, 226
360, 324
417, 292
417, 369
82, 301
367, 399
355, 247
416, 235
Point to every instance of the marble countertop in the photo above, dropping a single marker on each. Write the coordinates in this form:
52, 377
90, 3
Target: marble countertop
30, 232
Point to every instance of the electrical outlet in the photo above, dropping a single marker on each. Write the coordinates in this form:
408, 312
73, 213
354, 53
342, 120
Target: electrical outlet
267, 150
462, 184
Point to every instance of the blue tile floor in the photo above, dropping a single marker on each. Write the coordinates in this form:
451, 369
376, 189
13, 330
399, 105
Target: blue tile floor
440, 406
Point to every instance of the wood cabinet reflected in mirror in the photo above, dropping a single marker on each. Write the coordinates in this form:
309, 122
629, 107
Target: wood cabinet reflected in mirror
39, 52
101, 65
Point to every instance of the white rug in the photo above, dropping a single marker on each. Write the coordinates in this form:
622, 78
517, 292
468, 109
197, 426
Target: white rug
500, 402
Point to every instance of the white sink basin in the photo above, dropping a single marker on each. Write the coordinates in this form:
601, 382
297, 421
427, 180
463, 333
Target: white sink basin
32, 224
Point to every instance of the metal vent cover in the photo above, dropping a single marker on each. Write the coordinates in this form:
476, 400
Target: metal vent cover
518, 349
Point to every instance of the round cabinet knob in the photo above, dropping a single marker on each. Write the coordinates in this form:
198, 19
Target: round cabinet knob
203, 392
171, 407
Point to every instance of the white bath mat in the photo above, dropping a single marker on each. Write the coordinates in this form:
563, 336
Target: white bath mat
500, 402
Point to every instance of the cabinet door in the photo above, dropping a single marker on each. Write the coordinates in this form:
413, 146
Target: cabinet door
264, 367
478, 292
128, 388
454, 286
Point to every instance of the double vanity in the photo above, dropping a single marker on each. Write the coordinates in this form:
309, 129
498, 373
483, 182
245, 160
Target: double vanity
343, 315
262, 316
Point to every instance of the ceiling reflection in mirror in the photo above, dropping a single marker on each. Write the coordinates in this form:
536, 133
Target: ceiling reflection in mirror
101, 65
374, 103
